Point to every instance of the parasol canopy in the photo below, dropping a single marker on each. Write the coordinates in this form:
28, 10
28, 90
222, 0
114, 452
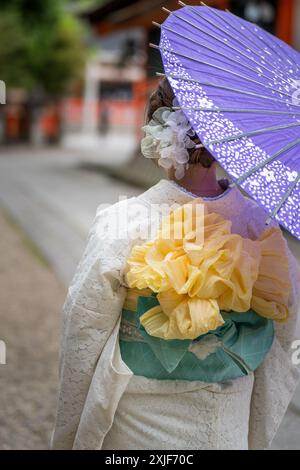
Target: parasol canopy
239, 86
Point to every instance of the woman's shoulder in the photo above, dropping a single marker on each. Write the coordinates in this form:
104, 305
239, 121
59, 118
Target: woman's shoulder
151, 195
257, 218
113, 221
257, 225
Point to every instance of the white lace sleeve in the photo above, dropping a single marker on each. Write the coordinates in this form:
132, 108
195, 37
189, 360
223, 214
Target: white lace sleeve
274, 385
91, 310
276, 380
286, 332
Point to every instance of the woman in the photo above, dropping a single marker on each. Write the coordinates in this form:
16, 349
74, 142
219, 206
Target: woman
158, 354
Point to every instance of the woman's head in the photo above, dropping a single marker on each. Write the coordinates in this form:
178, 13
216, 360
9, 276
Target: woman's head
163, 96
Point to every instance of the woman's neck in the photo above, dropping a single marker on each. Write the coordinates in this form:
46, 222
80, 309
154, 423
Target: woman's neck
201, 181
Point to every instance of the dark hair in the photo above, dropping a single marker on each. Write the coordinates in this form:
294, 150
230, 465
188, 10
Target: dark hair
164, 96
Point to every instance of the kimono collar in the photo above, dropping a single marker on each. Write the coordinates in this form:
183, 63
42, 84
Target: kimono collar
230, 202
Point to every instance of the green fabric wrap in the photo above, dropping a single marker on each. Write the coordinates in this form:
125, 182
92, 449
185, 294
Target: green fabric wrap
242, 344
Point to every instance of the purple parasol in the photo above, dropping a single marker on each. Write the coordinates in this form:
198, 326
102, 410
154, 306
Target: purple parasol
239, 87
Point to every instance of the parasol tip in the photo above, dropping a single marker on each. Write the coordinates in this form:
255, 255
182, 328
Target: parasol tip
154, 46
160, 74
268, 221
166, 10
158, 25
182, 3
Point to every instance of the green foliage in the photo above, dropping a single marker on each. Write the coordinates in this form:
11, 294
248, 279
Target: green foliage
13, 45
41, 45
83, 5
65, 60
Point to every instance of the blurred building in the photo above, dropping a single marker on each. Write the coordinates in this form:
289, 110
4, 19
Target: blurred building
276, 16
121, 77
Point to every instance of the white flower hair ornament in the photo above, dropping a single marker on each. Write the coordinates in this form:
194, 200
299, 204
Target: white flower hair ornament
168, 138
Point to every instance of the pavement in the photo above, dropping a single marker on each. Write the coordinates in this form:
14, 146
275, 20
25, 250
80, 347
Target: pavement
31, 301
53, 195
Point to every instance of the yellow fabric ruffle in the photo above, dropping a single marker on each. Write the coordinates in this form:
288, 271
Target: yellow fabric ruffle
271, 290
199, 268
132, 296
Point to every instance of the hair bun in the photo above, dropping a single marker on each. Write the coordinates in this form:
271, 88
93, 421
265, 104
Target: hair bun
164, 96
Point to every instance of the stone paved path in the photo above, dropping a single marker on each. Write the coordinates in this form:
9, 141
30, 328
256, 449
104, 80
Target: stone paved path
54, 195
31, 300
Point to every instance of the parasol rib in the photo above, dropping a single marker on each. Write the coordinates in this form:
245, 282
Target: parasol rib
223, 87
179, 77
237, 110
283, 200
261, 38
229, 35
230, 46
266, 130
178, 54
232, 60
266, 162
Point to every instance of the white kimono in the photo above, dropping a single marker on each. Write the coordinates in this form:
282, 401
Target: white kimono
102, 405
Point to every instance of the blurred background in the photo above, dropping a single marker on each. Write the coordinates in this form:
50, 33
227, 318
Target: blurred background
78, 75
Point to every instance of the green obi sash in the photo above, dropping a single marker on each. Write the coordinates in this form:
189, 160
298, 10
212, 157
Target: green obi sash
235, 349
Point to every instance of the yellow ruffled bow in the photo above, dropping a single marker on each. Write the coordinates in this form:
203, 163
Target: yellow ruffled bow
196, 277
